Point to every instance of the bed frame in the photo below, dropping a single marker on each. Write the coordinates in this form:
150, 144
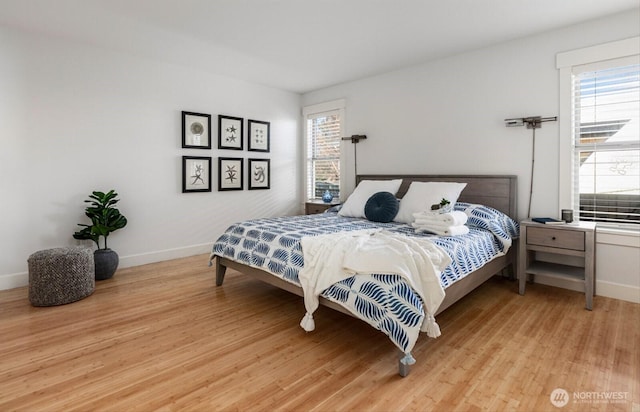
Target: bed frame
497, 191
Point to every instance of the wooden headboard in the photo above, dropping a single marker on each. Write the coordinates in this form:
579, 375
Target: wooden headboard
496, 191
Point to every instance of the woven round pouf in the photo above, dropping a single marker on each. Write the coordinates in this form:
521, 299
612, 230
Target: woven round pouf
62, 275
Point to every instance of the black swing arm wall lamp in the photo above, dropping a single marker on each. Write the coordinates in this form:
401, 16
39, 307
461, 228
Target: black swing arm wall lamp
532, 122
355, 139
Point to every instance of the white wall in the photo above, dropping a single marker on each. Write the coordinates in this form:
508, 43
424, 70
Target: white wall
447, 116
75, 118
618, 265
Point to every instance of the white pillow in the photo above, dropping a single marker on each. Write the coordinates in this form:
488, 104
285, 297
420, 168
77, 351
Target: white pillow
354, 206
421, 195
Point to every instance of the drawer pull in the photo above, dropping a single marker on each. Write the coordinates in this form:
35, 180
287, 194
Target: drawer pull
553, 238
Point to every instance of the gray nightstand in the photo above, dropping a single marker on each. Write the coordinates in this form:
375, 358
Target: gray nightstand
311, 207
573, 239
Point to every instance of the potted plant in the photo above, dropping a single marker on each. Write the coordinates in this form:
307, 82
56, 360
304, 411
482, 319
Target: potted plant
105, 218
443, 207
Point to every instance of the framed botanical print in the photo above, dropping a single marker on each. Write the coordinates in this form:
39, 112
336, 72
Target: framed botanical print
259, 136
196, 130
196, 174
230, 173
259, 174
230, 132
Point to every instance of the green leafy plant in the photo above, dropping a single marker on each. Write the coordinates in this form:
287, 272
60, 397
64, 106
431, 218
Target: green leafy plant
105, 218
442, 205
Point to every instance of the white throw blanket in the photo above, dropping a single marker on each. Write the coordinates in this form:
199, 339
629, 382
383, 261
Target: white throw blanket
331, 258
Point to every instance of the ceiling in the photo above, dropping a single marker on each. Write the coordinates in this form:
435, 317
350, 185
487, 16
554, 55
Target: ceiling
299, 45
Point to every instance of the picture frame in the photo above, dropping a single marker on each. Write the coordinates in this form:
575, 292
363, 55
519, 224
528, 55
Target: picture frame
230, 134
196, 130
259, 174
259, 136
196, 174
230, 173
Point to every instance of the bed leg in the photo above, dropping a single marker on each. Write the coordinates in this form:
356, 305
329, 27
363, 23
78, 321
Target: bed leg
404, 363
220, 271
508, 272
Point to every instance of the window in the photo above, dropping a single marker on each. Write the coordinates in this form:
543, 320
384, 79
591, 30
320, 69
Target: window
606, 142
323, 154
600, 133
323, 140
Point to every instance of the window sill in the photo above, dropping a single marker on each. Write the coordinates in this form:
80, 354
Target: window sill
634, 232
628, 237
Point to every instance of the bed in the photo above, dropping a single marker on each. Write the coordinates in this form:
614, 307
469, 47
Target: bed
269, 249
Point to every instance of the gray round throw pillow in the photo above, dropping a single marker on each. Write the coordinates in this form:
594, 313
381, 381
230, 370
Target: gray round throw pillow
381, 207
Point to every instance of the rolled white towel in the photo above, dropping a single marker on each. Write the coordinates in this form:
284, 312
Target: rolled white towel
454, 218
442, 230
437, 222
433, 225
426, 213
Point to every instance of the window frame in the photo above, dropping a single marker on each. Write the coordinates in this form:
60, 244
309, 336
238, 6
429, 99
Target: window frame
565, 63
313, 111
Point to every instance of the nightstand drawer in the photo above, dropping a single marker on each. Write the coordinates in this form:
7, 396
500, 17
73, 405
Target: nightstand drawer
558, 238
313, 209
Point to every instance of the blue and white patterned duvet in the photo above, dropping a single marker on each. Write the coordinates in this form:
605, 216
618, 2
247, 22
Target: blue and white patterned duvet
385, 301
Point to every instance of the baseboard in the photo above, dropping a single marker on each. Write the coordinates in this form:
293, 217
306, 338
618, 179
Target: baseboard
618, 291
16, 280
162, 255
602, 288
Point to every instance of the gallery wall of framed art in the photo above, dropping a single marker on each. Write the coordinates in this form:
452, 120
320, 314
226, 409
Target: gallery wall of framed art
197, 174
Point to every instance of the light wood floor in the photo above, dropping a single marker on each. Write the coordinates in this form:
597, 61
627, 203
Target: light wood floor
163, 337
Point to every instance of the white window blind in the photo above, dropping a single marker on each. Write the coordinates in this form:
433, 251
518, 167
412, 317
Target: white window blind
606, 141
323, 154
